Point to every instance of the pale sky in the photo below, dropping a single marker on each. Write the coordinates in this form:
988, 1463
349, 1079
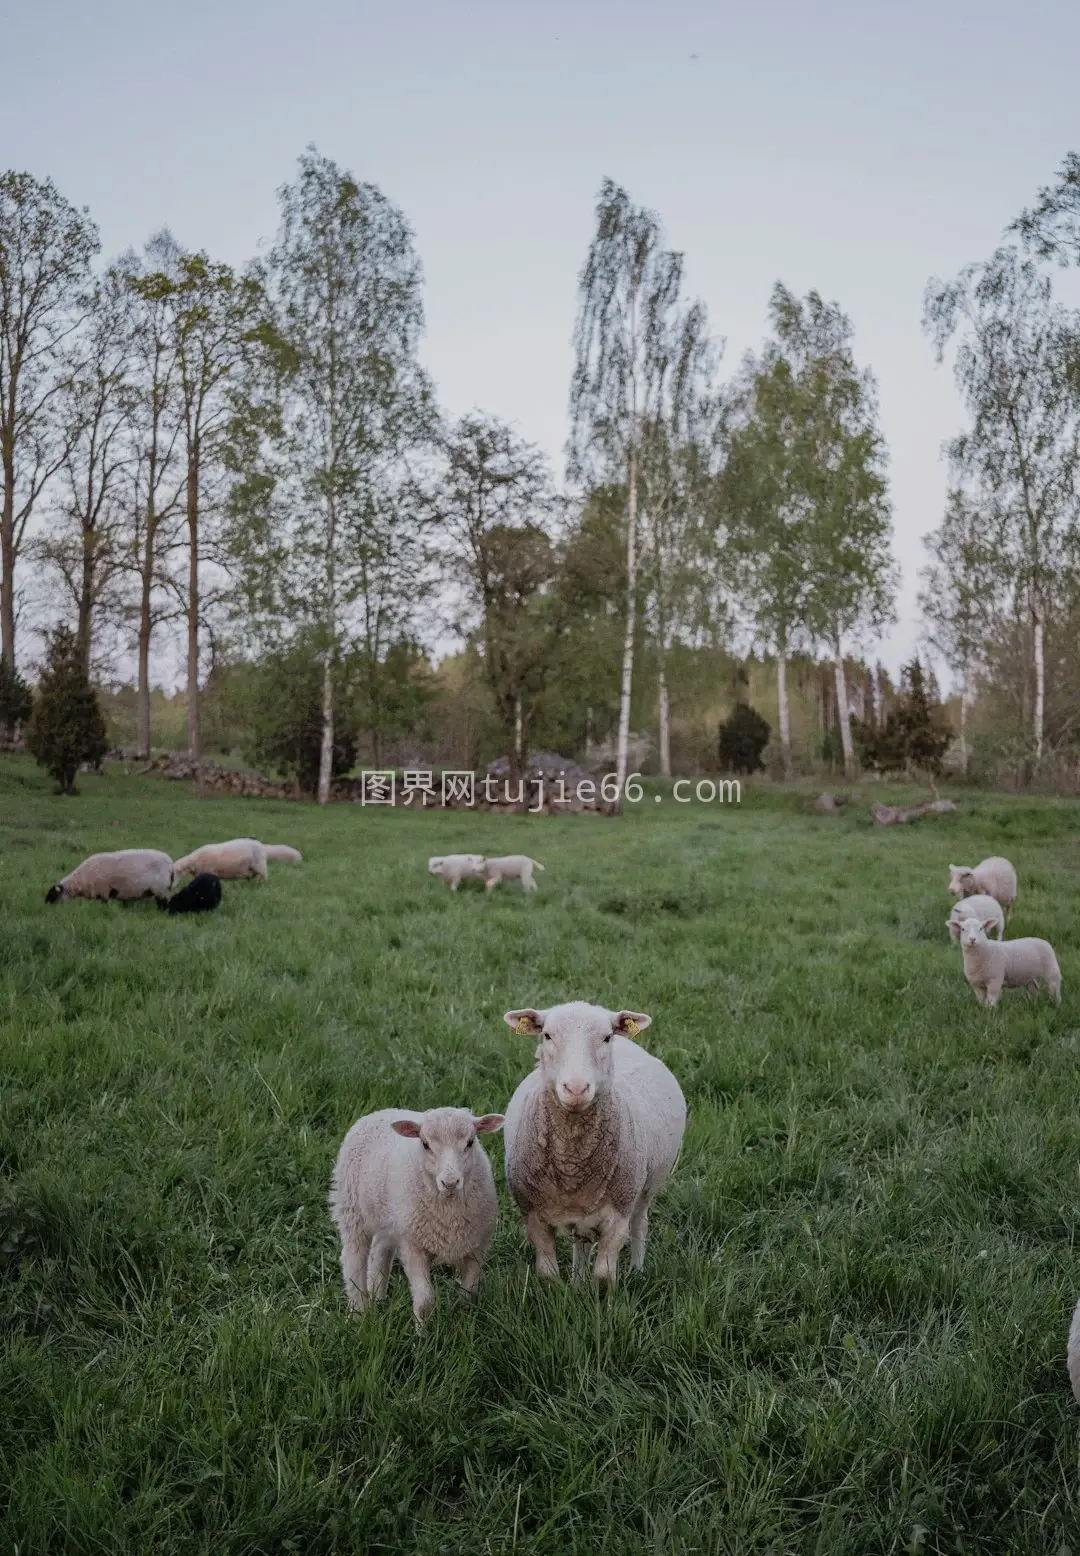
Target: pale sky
853, 147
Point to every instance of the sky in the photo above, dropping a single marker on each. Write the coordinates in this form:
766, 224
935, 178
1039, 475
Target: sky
855, 148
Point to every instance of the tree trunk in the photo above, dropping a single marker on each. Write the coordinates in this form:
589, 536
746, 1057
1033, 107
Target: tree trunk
785, 712
665, 723
194, 735
1040, 680
7, 563
84, 625
518, 734
588, 735
843, 713
627, 683
326, 754
875, 692
965, 696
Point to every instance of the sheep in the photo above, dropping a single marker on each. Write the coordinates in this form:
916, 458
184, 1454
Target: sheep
511, 867
982, 908
412, 1186
1074, 1353
201, 895
455, 868
995, 877
591, 1135
1012, 964
237, 860
127, 875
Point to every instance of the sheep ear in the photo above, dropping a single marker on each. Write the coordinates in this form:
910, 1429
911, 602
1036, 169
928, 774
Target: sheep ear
529, 1023
489, 1124
628, 1023
989, 923
407, 1127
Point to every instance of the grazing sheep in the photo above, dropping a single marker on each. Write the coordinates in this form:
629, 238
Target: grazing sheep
995, 877
127, 875
511, 867
201, 895
1074, 1353
1011, 964
413, 1186
237, 860
591, 1135
455, 868
982, 908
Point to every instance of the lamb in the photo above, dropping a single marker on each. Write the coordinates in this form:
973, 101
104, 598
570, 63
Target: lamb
455, 868
591, 1135
1012, 964
412, 1186
995, 877
982, 908
511, 867
237, 860
1073, 1357
202, 895
127, 875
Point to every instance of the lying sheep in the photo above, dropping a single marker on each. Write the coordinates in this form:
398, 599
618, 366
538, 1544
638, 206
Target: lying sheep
455, 868
983, 908
1074, 1353
1012, 964
591, 1135
127, 875
511, 867
995, 877
413, 1186
238, 860
202, 895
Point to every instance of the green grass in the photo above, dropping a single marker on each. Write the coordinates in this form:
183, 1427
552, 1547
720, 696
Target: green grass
849, 1337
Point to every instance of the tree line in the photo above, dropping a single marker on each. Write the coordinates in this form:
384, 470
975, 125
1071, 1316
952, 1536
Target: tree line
256, 459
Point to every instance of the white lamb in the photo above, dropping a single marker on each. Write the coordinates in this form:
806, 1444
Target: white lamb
237, 860
986, 909
1012, 964
1074, 1353
994, 876
413, 1186
511, 867
591, 1135
455, 868
126, 875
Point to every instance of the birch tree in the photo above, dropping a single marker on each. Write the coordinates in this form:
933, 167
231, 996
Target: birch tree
1014, 366
46, 247
629, 292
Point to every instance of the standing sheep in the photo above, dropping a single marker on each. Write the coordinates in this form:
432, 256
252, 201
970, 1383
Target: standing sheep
237, 860
125, 876
455, 868
1010, 964
994, 876
591, 1135
982, 908
413, 1186
1073, 1357
511, 867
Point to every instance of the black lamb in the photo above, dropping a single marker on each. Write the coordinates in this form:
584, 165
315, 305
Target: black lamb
201, 895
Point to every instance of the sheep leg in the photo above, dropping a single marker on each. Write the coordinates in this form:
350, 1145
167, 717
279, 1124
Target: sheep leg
543, 1240
993, 994
639, 1233
614, 1234
355, 1245
382, 1257
491, 885
1054, 990
1001, 931
418, 1270
580, 1266
469, 1271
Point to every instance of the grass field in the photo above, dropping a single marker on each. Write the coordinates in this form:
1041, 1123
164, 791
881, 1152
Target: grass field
849, 1336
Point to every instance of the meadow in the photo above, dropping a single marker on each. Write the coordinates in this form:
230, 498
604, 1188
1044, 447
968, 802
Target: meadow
849, 1336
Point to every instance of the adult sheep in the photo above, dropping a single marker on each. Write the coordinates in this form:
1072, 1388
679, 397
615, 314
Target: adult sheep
994, 877
238, 860
985, 909
591, 1135
124, 876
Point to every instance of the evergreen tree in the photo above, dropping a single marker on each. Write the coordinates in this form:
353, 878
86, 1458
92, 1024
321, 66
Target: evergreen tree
917, 733
16, 703
743, 737
67, 726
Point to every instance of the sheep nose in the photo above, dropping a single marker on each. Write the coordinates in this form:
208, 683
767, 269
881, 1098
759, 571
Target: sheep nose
576, 1093
449, 1183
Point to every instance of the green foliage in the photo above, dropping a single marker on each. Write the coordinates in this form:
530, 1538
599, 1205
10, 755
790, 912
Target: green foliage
916, 733
16, 702
743, 737
66, 727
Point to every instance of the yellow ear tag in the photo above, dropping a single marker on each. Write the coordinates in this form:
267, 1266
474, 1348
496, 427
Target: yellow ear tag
524, 1026
631, 1026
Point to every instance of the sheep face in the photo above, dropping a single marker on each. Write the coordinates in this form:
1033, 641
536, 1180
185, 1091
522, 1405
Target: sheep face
434, 866
55, 894
973, 931
575, 1053
447, 1136
961, 881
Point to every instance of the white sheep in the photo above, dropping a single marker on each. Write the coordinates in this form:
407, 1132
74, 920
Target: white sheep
413, 1186
1073, 1357
455, 868
995, 877
126, 875
511, 867
983, 908
591, 1135
237, 860
1011, 964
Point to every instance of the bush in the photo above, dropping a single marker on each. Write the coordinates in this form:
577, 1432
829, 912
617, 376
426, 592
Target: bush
743, 737
67, 726
16, 702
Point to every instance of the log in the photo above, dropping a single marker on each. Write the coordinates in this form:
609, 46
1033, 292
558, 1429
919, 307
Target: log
893, 816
